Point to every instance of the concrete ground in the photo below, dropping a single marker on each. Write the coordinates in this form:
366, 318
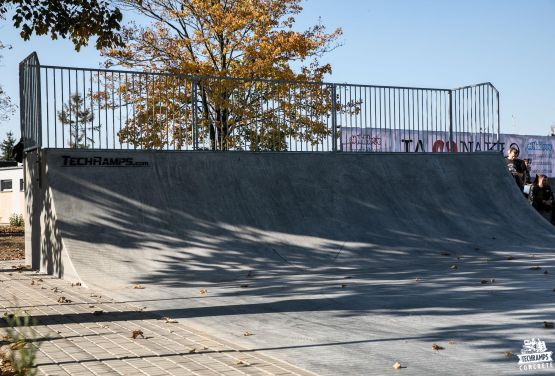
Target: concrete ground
74, 341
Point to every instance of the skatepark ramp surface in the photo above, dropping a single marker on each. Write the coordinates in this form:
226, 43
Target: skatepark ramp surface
341, 263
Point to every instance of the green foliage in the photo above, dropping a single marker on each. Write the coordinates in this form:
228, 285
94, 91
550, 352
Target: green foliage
6, 147
78, 118
77, 20
16, 220
7, 108
22, 344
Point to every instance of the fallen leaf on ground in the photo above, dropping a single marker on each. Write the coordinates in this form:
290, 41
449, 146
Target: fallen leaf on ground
17, 345
55, 289
33, 282
138, 287
397, 365
508, 354
21, 267
203, 291
247, 333
62, 299
76, 284
436, 347
98, 313
242, 363
137, 333
192, 351
548, 324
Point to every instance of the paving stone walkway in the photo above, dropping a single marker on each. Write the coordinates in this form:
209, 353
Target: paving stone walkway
79, 337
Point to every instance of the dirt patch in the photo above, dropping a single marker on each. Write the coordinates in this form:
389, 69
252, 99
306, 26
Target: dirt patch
12, 243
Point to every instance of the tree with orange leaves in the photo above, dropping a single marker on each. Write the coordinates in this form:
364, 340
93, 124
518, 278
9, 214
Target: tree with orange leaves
265, 105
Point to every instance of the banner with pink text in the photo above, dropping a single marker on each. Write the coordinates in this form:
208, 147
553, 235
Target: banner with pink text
539, 149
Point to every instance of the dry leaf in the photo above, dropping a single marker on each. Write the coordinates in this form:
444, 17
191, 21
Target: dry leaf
548, 324
33, 282
55, 289
137, 333
76, 284
397, 365
247, 333
91, 305
138, 287
508, 354
98, 313
436, 347
62, 299
242, 363
17, 345
192, 351
203, 291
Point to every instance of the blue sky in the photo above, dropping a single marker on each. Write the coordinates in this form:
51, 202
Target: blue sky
423, 43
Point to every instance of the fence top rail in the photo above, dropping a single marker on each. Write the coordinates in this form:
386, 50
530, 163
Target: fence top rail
196, 78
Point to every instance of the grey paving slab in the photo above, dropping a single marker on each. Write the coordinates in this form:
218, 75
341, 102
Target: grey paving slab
73, 342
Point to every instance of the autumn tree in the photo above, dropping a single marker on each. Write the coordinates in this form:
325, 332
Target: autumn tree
79, 120
212, 40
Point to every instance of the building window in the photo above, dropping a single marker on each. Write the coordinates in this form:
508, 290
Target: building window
5, 185
21, 187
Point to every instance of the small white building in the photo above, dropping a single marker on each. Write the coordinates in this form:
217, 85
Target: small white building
12, 195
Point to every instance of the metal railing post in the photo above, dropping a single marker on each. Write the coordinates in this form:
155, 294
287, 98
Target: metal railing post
334, 118
451, 148
498, 119
195, 115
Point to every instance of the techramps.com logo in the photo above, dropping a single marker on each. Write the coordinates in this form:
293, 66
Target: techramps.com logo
534, 355
99, 161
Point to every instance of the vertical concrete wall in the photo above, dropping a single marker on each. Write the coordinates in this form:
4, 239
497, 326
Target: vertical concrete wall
44, 248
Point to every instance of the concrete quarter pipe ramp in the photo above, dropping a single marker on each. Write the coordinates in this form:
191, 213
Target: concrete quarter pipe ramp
338, 263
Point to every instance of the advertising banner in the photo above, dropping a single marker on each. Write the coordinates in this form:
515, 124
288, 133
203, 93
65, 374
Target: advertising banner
539, 149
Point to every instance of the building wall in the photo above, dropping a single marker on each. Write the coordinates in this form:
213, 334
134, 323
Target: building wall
11, 201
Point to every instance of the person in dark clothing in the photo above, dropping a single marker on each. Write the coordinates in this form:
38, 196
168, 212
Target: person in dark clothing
541, 197
527, 176
516, 167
